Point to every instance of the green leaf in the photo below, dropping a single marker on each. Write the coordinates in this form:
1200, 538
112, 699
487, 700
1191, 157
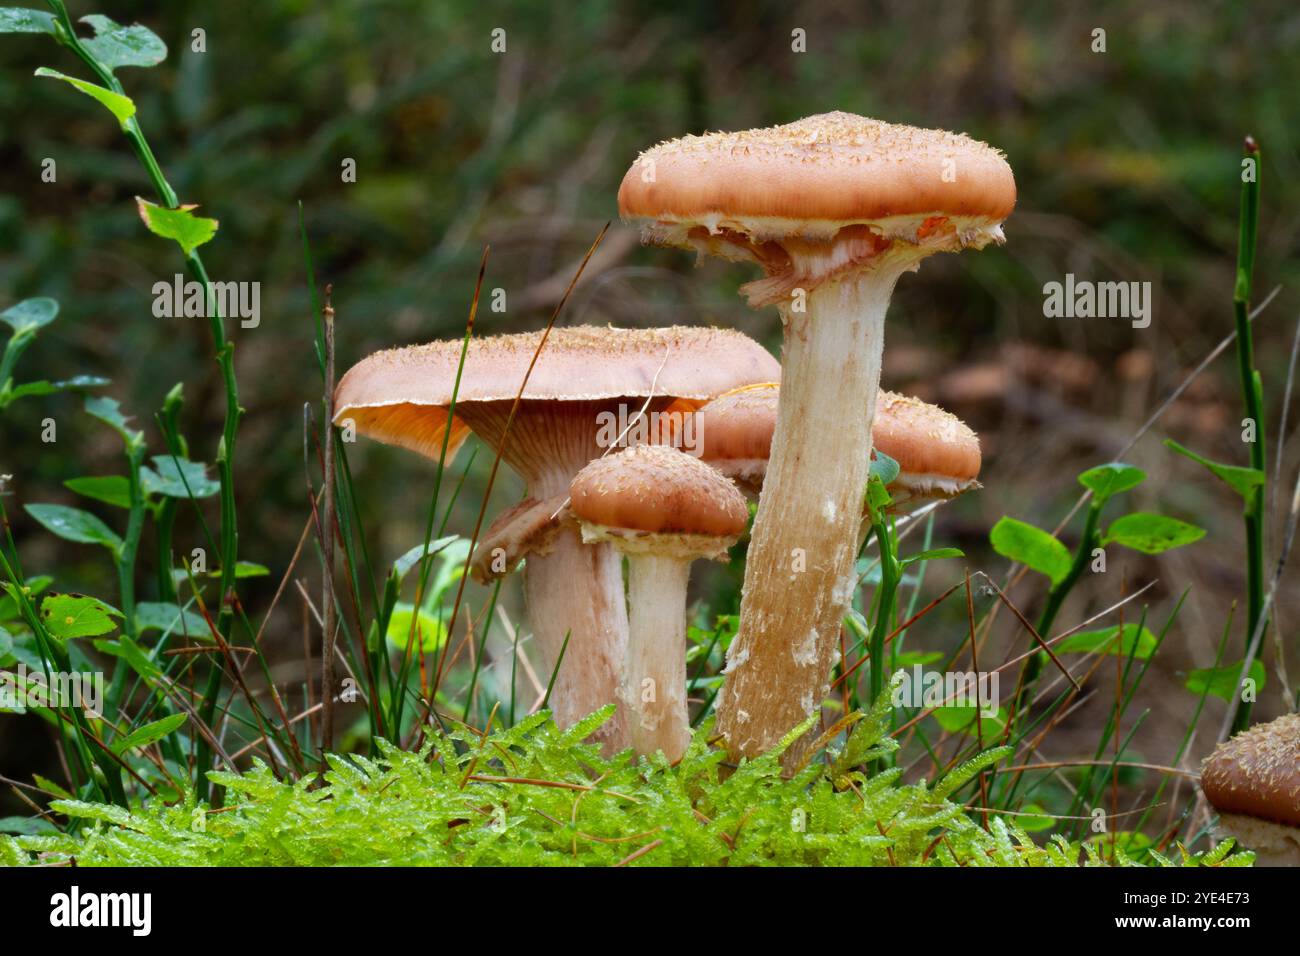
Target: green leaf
6, 643
120, 106
178, 478
22, 20
960, 719
115, 45
1034, 819
68, 616
1140, 645
30, 314
402, 566
73, 524
131, 652
429, 633
884, 467
1106, 481
160, 616
934, 554
109, 411
111, 489
27, 826
51, 388
1222, 682
1242, 480
249, 569
187, 229
33, 587
1032, 547
1151, 533
150, 733
910, 659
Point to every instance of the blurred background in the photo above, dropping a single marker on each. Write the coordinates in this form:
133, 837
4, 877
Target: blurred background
1127, 163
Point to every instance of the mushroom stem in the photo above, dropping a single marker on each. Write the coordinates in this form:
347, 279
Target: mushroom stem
576, 590
654, 674
799, 572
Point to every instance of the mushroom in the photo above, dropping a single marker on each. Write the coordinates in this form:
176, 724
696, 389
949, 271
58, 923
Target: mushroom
937, 453
833, 208
585, 381
664, 509
1253, 780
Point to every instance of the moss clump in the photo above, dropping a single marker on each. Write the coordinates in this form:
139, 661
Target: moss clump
534, 795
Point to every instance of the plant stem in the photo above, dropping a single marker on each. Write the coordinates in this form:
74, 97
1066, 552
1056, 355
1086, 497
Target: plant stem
1055, 599
1252, 391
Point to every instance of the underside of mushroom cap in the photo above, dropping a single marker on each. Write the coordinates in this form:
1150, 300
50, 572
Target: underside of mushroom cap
1257, 772
527, 528
655, 489
401, 396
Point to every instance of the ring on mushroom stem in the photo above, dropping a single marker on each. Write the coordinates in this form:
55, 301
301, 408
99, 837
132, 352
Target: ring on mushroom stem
582, 375
937, 453
833, 208
663, 509
1253, 780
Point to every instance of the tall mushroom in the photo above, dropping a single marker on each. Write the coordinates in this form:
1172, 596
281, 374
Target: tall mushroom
586, 384
937, 453
1253, 780
833, 208
663, 509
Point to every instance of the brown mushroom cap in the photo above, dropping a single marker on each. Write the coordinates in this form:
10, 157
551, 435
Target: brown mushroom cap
401, 396
658, 490
938, 455
526, 528
1257, 773
834, 168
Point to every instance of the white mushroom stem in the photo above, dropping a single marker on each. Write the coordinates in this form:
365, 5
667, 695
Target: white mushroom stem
577, 590
799, 573
654, 675
573, 590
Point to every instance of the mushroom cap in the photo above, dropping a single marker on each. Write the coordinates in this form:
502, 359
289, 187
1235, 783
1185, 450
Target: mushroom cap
833, 168
658, 490
526, 528
1257, 773
401, 396
938, 455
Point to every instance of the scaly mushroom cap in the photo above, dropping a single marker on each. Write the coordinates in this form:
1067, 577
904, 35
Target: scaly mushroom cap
527, 528
777, 195
656, 498
938, 455
1257, 773
401, 396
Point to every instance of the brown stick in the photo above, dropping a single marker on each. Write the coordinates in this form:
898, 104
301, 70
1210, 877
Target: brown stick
327, 543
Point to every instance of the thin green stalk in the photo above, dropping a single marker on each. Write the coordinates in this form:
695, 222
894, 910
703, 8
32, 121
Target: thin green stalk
1055, 600
1253, 392
66, 34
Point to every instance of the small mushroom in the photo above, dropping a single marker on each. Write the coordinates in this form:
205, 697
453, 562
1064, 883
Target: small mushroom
581, 383
1253, 780
937, 453
834, 209
664, 509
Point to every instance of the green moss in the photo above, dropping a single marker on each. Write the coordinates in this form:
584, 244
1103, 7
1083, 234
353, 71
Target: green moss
534, 795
